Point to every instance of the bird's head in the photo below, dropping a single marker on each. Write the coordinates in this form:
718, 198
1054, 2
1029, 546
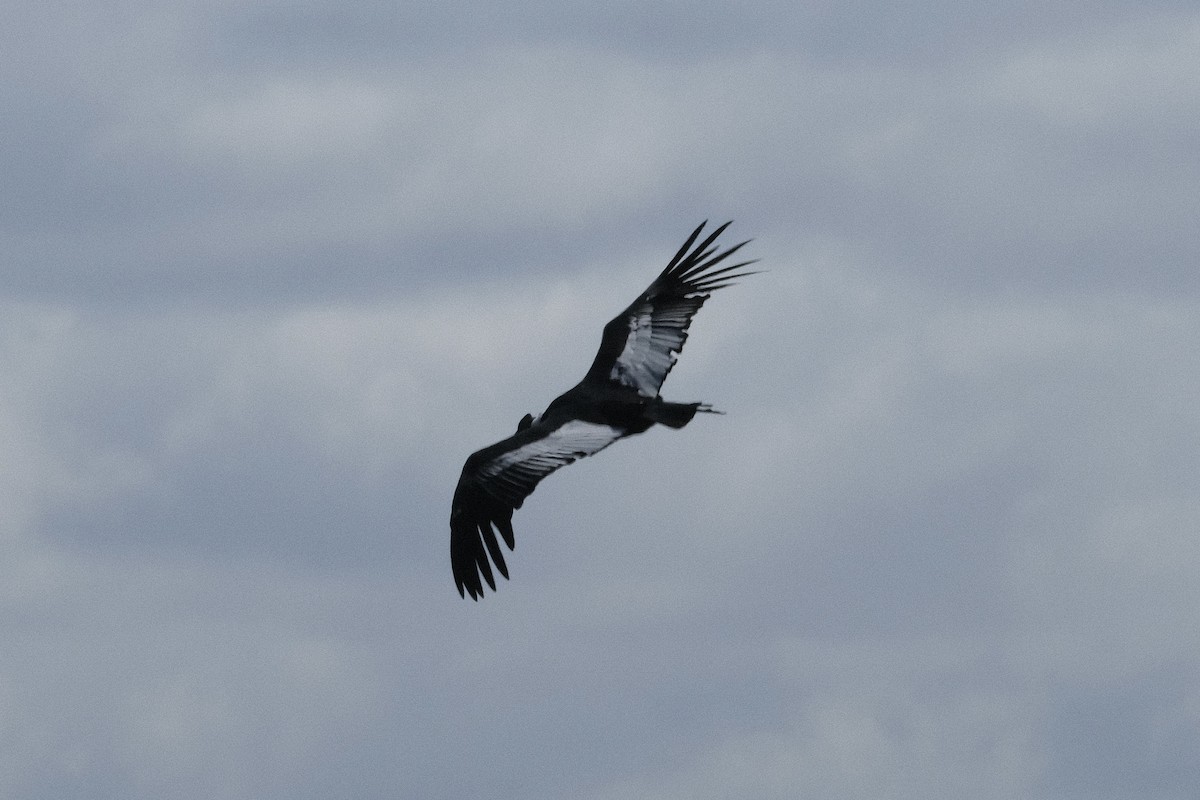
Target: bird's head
525, 422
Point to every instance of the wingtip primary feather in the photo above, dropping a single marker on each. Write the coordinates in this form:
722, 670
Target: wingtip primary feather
685, 247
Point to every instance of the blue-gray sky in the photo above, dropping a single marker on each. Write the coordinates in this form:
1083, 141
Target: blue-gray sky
273, 270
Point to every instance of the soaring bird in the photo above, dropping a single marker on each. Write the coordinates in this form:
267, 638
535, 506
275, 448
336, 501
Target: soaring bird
618, 397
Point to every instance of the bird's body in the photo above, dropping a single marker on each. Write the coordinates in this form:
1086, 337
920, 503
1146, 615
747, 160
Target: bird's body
618, 397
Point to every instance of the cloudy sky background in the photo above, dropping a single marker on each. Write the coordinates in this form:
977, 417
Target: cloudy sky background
273, 270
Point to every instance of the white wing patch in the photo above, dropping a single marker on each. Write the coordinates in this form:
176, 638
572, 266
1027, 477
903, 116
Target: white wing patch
561, 446
649, 353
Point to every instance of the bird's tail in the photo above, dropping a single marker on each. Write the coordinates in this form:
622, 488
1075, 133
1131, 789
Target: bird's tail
676, 415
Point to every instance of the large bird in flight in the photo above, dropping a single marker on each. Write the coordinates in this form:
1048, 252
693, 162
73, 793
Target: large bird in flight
617, 398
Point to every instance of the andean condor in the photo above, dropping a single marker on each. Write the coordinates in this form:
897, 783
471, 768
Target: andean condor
617, 398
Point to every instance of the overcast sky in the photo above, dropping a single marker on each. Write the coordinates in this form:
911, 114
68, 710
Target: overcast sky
271, 271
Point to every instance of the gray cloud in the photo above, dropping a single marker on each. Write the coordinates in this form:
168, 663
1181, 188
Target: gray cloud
273, 272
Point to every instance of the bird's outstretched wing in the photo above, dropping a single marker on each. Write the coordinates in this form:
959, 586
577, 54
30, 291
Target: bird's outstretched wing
497, 479
641, 343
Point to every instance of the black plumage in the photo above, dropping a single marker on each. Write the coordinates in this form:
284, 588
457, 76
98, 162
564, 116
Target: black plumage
618, 397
